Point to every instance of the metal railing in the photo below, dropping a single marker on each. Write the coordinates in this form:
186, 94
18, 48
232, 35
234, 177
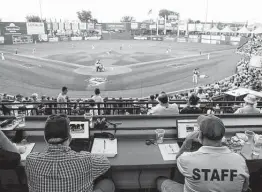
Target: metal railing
106, 108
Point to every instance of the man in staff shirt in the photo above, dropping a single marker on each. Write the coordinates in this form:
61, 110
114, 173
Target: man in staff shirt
213, 167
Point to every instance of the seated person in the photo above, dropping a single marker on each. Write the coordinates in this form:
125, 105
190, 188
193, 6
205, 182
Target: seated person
249, 108
164, 108
9, 153
213, 167
59, 168
192, 107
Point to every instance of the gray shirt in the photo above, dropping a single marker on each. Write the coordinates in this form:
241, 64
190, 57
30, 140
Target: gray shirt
248, 109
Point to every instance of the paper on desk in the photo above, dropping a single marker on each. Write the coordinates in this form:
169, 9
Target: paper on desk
105, 147
169, 151
29, 148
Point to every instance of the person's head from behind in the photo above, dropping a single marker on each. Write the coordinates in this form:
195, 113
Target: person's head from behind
162, 98
250, 100
19, 97
34, 96
200, 90
193, 100
57, 130
152, 97
64, 90
211, 130
92, 103
97, 91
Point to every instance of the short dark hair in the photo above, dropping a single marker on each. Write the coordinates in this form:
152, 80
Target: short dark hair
97, 91
163, 98
64, 89
92, 102
152, 97
193, 99
57, 129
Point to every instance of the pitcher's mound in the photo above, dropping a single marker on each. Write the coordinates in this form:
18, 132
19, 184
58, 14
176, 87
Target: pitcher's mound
109, 70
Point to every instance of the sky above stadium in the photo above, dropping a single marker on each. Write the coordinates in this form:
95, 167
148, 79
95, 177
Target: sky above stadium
113, 10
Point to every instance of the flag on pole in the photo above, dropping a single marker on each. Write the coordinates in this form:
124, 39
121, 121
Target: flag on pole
149, 12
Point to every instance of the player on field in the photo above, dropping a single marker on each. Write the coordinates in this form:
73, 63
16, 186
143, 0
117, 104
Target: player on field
16, 51
195, 76
34, 51
208, 56
2, 56
93, 47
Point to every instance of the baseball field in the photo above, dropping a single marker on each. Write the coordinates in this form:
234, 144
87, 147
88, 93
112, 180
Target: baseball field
139, 69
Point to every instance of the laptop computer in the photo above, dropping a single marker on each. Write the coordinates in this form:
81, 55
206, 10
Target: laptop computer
184, 128
79, 130
80, 133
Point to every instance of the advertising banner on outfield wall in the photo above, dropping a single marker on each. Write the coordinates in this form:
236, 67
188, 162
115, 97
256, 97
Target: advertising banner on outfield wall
144, 26
2, 40
153, 26
55, 26
199, 27
134, 26
191, 27
13, 28
61, 26
115, 26
35, 28
76, 38
82, 26
67, 26
43, 38
53, 39
90, 26
75, 26
22, 39
49, 26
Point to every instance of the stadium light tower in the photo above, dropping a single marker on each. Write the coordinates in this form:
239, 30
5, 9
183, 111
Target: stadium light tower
40, 6
206, 10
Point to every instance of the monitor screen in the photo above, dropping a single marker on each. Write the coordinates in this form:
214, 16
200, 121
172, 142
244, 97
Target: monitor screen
185, 127
79, 130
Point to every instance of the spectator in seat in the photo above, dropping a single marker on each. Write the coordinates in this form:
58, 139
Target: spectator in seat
213, 167
201, 95
249, 108
192, 107
164, 108
152, 101
59, 168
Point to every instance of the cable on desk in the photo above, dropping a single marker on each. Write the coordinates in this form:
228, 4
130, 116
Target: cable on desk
139, 183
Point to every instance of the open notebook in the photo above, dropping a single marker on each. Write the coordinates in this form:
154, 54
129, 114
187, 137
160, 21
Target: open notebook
169, 151
105, 147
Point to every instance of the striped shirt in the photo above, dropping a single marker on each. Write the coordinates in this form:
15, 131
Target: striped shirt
59, 168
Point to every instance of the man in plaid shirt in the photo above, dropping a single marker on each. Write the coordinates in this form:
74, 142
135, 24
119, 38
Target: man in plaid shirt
60, 169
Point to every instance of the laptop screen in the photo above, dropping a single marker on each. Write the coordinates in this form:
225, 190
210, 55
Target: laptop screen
79, 130
185, 127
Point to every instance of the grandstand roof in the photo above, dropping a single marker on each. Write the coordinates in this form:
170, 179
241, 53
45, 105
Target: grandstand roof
258, 30
227, 30
214, 30
243, 30
243, 91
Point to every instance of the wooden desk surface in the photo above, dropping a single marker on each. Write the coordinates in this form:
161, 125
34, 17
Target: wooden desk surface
132, 154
